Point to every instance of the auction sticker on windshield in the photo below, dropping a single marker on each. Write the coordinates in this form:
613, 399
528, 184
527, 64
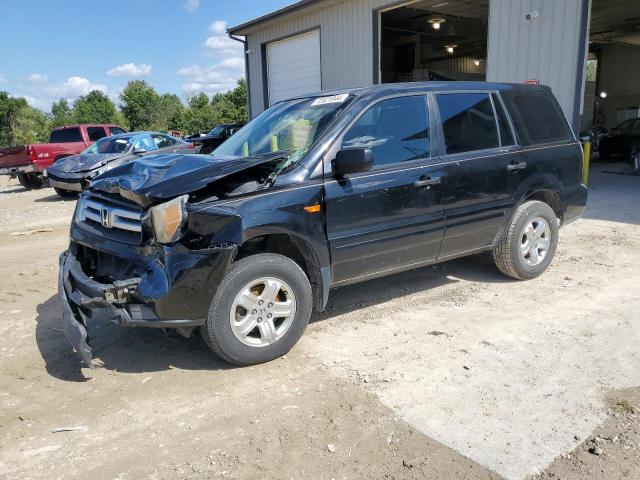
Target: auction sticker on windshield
332, 99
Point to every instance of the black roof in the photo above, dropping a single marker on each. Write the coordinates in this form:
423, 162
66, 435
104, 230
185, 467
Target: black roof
386, 89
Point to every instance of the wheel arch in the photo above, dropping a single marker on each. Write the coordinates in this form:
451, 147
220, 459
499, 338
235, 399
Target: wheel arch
300, 251
550, 196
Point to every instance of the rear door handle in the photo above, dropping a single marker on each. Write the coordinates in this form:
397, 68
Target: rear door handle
427, 181
512, 167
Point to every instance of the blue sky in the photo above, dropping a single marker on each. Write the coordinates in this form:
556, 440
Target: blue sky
64, 48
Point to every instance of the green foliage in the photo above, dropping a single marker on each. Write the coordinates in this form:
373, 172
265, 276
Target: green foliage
95, 107
61, 113
592, 70
231, 107
20, 123
141, 106
199, 115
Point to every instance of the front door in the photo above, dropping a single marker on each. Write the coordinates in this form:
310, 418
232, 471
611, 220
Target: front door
389, 218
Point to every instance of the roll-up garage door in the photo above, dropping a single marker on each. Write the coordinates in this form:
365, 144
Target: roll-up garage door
293, 66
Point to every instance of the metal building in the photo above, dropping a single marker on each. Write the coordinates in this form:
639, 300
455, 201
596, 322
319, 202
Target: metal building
325, 44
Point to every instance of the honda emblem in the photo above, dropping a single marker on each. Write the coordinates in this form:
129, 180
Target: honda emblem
105, 216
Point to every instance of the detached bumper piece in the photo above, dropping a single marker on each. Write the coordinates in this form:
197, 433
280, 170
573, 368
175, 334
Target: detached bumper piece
84, 299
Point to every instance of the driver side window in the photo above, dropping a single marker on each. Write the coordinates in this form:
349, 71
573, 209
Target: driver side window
396, 130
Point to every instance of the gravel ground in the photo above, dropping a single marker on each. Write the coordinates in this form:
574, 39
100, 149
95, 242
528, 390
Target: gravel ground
452, 372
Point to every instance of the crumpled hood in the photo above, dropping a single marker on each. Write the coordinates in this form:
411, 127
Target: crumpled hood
165, 176
84, 162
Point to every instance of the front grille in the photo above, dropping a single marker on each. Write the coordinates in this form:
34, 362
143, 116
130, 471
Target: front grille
113, 218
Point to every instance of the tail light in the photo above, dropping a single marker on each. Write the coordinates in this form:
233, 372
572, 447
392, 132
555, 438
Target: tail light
32, 153
191, 146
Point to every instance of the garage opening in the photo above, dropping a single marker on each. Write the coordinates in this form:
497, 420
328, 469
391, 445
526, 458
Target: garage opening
434, 40
612, 90
293, 66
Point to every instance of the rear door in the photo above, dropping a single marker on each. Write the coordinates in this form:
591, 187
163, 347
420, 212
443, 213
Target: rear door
483, 166
389, 218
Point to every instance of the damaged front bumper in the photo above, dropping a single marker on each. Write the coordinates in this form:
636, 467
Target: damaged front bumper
128, 303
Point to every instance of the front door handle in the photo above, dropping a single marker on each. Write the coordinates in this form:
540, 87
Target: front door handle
512, 167
427, 181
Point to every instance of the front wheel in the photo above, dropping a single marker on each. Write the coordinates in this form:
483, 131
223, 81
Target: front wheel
30, 180
259, 311
530, 242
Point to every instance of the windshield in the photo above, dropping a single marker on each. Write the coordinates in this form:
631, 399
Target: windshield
216, 132
109, 145
289, 127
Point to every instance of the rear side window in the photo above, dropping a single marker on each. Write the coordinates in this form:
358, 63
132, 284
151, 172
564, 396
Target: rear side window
96, 133
396, 130
66, 135
539, 118
468, 122
116, 130
506, 135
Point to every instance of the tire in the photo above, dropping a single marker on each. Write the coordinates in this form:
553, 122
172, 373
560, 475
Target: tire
30, 181
521, 247
240, 348
66, 193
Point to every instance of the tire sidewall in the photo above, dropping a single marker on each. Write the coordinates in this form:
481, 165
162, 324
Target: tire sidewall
243, 272
534, 209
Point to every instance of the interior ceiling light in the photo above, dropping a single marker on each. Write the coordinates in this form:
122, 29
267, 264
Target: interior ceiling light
438, 5
476, 62
603, 95
436, 22
450, 48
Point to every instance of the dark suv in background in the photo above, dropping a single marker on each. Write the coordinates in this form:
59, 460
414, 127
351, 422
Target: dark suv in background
318, 192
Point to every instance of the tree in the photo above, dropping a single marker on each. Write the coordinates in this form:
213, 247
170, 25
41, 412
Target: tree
231, 106
95, 107
19, 122
141, 106
171, 112
61, 113
200, 114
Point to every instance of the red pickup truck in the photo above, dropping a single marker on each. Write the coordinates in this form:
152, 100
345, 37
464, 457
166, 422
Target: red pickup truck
27, 162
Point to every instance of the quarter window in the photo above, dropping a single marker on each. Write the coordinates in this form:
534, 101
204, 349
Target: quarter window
396, 130
468, 122
540, 119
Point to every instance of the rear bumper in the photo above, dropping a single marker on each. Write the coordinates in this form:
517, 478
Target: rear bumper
575, 202
13, 171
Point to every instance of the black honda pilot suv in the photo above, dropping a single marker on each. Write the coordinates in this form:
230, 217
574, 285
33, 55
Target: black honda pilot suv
318, 192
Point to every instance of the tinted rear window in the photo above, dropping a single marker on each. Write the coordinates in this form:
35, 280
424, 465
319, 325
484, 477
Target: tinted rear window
66, 135
539, 118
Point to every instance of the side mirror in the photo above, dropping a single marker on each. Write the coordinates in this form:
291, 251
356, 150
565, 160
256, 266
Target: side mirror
352, 160
139, 151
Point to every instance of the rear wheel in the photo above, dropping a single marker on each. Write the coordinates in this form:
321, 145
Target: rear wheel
30, 180
259, 311
530, 242
66, 193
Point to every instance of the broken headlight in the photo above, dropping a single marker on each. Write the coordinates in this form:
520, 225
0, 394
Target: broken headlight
168, 218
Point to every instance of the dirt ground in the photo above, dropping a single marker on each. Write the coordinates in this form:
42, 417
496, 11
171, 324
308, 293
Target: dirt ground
451, 372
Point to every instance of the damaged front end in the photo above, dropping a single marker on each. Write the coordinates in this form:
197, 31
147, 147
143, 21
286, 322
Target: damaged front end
142, 254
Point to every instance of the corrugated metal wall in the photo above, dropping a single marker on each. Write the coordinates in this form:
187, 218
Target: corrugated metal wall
545, 48
346, 32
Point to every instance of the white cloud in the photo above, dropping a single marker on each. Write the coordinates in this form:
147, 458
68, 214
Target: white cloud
37, 78
41, 93
217, 78
2, 79
219, 27
130, 70
219, 44
191, 5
